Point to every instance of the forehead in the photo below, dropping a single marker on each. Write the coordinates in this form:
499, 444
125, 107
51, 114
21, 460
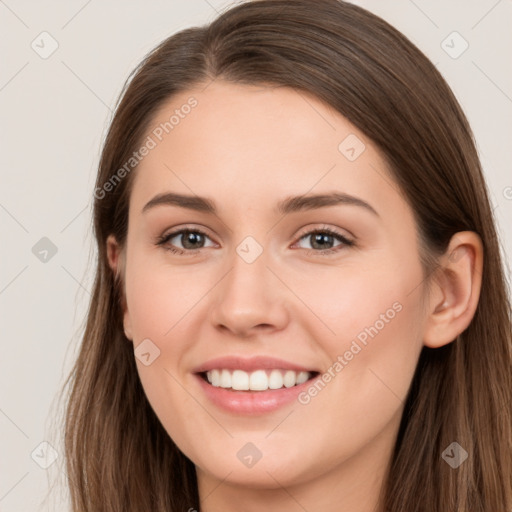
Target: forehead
252, 145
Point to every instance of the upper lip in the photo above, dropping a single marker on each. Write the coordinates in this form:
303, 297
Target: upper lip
249, 364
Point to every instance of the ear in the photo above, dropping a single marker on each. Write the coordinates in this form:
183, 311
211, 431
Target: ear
116, 261
455, 290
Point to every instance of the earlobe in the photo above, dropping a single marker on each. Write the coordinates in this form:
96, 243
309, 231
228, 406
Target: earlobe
115, 261
456, 290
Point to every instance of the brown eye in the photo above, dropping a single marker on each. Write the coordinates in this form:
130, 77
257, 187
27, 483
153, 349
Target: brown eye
321, 240
190, 239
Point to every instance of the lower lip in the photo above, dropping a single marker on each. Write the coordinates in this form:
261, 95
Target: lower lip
251, 402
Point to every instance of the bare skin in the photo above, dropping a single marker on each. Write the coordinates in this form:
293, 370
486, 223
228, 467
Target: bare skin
246, 148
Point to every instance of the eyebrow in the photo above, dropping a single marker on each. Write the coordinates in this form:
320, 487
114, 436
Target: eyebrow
288, 205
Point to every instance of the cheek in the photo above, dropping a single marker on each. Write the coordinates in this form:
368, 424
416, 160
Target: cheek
161, 303
158, 297
346, 302
366, 378
368, 321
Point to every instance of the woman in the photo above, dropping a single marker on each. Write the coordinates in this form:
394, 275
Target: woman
299, 302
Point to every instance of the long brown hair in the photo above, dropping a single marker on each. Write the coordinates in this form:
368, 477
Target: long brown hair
118, 455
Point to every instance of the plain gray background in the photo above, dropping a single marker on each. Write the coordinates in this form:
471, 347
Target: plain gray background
54, 115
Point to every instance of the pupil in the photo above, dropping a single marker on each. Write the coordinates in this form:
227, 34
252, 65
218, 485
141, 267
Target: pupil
321, 238
191, 238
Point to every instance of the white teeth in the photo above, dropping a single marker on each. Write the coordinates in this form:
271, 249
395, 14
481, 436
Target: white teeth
259, 380
225, 379
215, 377
275, 381
289, 379
240, 380
302, 377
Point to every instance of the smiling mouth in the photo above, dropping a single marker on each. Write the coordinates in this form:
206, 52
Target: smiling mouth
258, 380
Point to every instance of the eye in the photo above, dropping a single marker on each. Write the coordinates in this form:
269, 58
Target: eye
191, 239
322, 239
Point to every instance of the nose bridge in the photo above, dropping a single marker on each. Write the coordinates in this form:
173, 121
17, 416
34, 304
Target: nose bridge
247, 296
248, 267
246, 284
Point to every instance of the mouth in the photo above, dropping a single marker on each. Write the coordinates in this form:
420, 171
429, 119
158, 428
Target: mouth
265, 379
256, 385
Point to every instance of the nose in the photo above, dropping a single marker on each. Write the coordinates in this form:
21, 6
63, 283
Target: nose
249, 299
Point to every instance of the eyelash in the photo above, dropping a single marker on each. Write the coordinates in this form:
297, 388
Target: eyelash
162, 241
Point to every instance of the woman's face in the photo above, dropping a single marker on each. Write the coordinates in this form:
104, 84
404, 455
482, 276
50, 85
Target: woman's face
254, 296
